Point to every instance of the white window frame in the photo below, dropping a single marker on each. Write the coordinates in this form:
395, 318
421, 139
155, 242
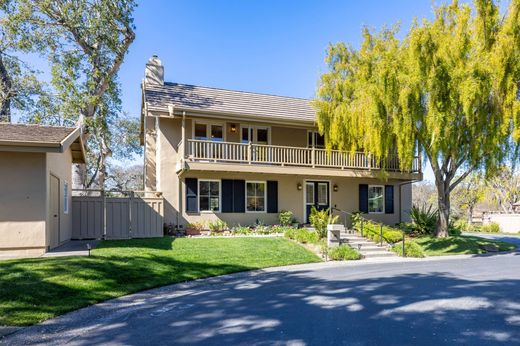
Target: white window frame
254, 134
219, 196
368, 197
313, 144
65, 197
265, 197
208, 129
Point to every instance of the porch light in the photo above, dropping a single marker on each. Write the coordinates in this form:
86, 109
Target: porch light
299, 186
335, 187
233, 128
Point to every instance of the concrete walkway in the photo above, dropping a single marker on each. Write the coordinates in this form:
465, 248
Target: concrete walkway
470, 300
72, 248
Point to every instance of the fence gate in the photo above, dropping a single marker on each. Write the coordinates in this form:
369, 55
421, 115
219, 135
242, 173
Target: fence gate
95, 215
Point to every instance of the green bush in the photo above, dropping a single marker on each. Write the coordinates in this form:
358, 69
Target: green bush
491, 227
241, 230
343, 253
424, 220
320, 219
462, 225
218, 226
302, 235
285, 217
372, 231
411, 248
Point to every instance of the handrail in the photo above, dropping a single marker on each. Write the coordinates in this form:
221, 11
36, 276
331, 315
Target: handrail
215, 151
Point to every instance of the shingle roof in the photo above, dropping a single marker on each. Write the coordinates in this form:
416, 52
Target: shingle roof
213, 100
34, 133
37, 138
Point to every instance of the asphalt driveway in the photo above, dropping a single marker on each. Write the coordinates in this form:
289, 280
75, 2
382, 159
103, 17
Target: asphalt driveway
472, 301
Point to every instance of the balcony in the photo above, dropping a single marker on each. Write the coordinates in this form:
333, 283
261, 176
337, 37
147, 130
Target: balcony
203, 151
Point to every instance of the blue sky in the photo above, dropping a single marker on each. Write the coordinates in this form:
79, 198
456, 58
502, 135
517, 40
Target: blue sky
267, 46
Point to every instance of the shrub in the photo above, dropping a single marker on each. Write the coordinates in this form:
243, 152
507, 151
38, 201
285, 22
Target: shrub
424, 220
491, 227
302, 235
217, 226
285, 217
343, 253
411, 248
462, 225
241, 230
372, 231
279, 228
320, 219
261, 229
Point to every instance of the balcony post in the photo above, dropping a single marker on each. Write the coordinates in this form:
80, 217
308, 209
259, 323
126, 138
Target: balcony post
369, 162
313, 157
249, 152
183, 137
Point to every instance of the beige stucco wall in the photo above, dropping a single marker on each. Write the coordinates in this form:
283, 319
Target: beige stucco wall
23, 204
162, 140
60, 165
290, 198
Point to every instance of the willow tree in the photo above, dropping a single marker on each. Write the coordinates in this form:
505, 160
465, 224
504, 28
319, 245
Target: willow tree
448, 90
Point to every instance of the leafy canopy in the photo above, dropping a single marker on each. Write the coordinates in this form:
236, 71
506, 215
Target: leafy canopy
449, 89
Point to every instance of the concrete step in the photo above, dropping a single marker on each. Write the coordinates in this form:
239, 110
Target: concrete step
372, 254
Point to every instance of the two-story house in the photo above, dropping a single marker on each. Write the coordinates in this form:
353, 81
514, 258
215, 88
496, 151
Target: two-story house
243, 157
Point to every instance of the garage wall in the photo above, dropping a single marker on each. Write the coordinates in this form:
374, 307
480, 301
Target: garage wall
60, 165
23, 203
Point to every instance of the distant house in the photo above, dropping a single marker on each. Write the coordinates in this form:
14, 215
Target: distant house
242, 157
35, 186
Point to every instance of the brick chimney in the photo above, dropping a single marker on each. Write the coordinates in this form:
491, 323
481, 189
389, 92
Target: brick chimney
154, 72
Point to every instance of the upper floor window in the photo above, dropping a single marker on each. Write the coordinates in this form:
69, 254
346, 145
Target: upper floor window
314, 139
214, 132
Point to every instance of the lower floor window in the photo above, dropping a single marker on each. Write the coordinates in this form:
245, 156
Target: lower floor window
376, 199
209, 195
255, 196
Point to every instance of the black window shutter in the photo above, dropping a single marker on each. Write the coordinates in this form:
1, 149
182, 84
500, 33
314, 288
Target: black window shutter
191, 195
272, 197
227, 196
363, 198
389, 199
239, 196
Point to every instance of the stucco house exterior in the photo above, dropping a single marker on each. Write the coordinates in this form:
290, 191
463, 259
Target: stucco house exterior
35, 186
242, 157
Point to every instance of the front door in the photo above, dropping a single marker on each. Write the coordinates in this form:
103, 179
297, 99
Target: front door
54, 212
316, 195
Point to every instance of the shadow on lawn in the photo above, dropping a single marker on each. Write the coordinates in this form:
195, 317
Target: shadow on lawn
463, 245
36, 289
300, 307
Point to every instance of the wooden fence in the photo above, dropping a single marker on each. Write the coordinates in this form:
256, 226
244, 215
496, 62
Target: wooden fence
100, 215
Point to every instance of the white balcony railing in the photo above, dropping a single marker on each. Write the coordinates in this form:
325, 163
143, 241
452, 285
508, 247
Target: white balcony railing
209, 151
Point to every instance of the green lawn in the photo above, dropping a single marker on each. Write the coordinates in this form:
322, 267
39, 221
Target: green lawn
458, 245
32, 290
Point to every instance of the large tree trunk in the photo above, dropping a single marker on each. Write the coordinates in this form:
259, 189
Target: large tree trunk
443, 195
6, 93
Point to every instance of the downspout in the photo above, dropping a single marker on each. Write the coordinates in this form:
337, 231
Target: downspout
183, 156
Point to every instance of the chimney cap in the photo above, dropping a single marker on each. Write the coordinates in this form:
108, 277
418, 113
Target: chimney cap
154, 60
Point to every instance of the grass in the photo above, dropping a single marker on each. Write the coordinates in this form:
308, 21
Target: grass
459, 245
33, 290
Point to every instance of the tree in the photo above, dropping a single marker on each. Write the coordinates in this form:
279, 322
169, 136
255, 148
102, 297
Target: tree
469, 193
423, 194
124, 178
448, 91
20, 88
88, 41
505, 188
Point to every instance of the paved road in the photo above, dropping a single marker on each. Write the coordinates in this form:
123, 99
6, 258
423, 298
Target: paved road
471, 301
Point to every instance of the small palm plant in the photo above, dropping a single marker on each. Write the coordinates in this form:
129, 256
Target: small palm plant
320, 219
